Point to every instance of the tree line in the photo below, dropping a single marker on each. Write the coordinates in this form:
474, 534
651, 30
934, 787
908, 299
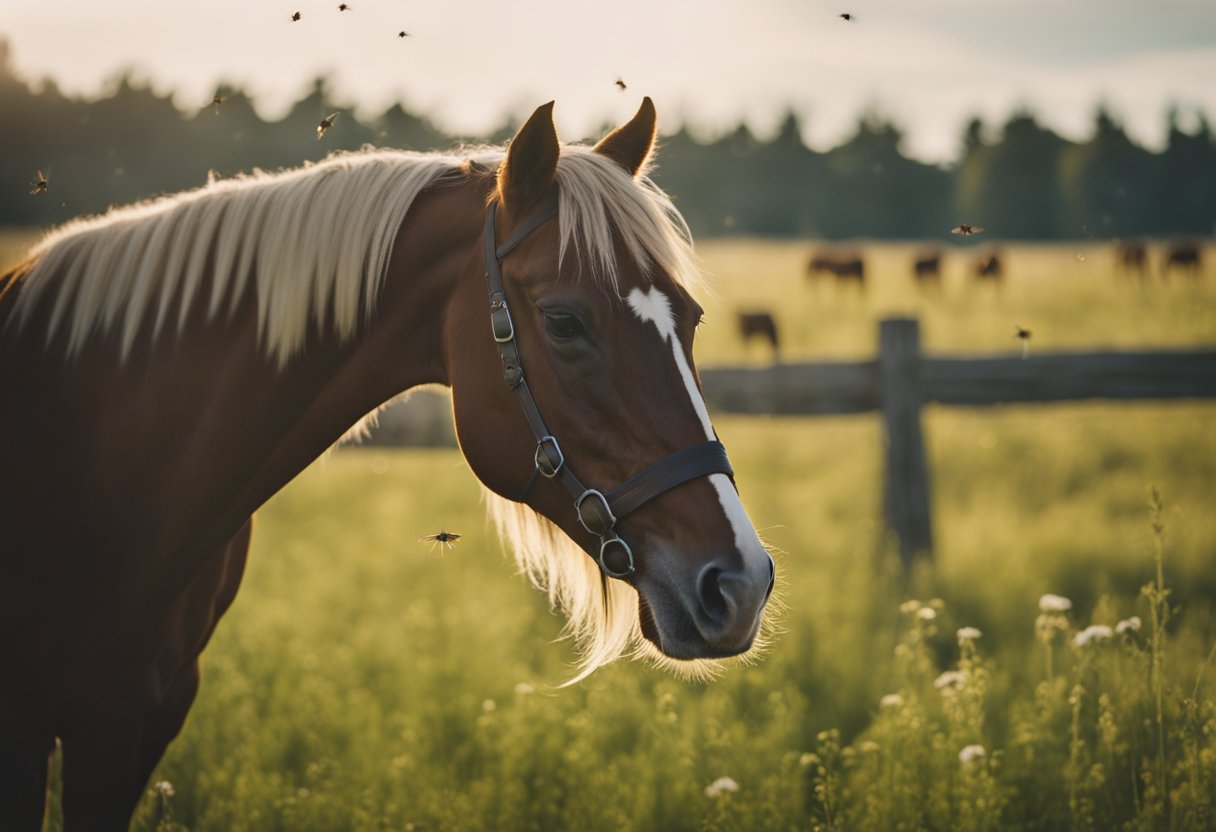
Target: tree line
1021, 182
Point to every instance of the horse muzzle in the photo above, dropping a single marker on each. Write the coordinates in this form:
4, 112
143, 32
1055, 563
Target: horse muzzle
715, 615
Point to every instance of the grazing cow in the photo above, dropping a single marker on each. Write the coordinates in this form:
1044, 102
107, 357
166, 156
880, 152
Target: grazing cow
927, 269
1186, 255
847, 266
989, 267
1132, 257
759, 325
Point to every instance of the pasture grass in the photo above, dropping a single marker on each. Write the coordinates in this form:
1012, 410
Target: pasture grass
1070, 295
363, 682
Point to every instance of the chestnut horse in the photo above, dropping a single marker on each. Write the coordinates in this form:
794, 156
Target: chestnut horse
760, 325
168, 367
989, 267
847, 266
927, 269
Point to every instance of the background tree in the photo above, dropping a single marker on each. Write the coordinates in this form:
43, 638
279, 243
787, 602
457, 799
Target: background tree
876, 191
1187, 180
132, 143
1109, 184
1012, 187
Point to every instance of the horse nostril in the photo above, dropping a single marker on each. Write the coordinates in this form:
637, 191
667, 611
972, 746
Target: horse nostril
709, 593
772, 577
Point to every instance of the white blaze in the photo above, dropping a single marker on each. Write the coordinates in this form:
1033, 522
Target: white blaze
653, 306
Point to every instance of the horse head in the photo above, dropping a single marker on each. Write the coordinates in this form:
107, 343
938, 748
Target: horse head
572, 373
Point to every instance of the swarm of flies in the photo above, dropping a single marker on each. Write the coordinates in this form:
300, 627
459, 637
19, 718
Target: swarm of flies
295, 18
845, 16
40, 184
966, 230
442, 539
344, 7
621, 85
325, 124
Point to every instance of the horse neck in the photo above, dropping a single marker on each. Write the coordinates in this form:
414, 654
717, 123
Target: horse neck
175, 448
306, 406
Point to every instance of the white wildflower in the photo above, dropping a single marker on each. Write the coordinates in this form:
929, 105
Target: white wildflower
808, 759
1054, 603
950, 681
926, 613
909, 607
968, 634
971, 753
891, 700
165, 788
1092, 633
868, 747
523, 689
1128, 626
722, 784
489, 705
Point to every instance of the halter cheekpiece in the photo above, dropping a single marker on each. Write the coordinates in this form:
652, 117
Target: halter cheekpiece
597, 511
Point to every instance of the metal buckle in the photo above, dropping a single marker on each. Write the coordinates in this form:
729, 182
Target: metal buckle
543, 462
500, 321
608, 540
578, 509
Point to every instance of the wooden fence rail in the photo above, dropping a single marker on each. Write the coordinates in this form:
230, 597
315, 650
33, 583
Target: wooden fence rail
902, 379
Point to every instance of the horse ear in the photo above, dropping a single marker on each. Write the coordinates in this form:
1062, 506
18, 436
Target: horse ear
630, 145
531, 162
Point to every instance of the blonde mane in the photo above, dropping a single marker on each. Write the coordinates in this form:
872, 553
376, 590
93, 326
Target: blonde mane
316, 243
315, 240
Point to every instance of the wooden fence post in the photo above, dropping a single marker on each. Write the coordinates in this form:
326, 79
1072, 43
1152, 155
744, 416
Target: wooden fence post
906, 481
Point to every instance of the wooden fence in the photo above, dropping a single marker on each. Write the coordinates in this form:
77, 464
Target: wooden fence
902, 379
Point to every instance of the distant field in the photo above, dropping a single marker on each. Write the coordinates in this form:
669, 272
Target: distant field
361, 682
1070, 295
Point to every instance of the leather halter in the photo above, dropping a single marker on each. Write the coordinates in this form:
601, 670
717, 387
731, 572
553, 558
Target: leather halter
597, 511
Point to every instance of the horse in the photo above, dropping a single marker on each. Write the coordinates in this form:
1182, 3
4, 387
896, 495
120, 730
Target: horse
847, 266
927, 269
989, 267
169, 366
1186, 255
1132, 257
759, 325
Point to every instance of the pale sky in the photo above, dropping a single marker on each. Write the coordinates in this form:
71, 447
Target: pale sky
927, 63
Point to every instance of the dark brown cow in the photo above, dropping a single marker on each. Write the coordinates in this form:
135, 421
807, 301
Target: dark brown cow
1186, 256
927, 269
1132, 256
989, 267
848, 267
759, 325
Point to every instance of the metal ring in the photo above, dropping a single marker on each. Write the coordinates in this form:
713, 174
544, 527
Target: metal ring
536, 458
500, 322
578, 509
606, 541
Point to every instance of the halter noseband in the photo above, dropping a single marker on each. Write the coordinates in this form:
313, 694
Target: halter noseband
598, 512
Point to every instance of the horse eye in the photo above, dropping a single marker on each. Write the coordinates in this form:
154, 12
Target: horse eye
563, 327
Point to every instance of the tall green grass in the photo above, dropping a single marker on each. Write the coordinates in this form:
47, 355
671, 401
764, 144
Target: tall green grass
363, 682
